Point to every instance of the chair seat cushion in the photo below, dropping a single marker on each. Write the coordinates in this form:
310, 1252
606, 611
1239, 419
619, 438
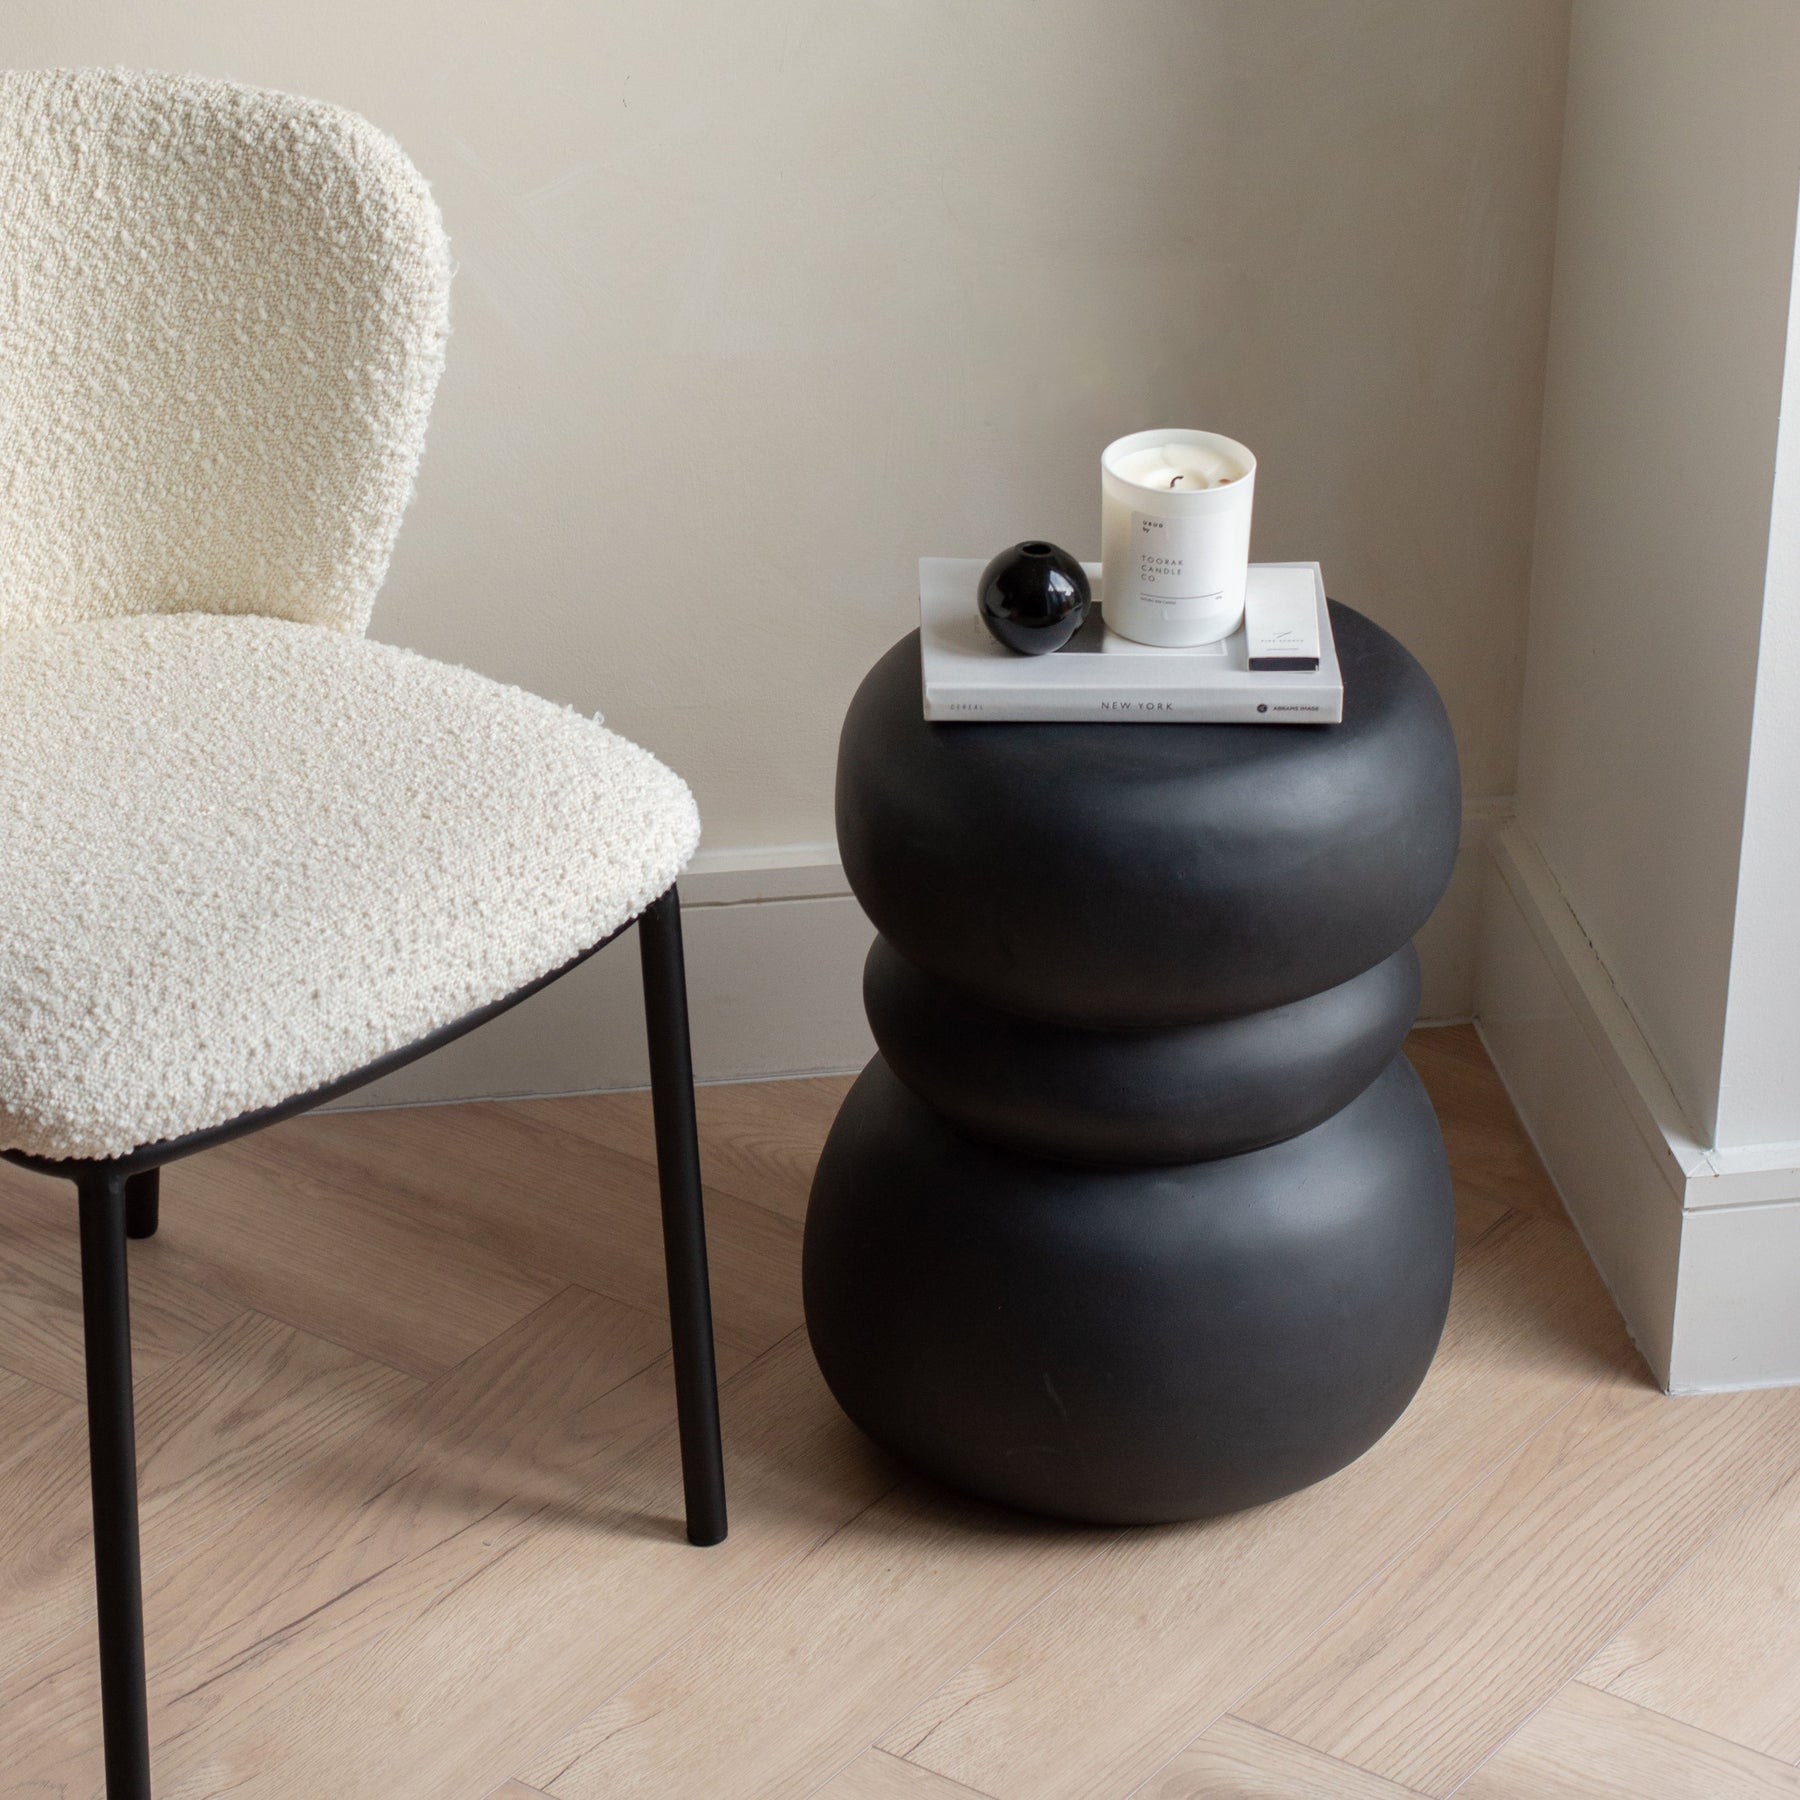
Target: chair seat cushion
241, 858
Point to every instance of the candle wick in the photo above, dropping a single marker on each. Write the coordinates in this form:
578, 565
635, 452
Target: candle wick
1174, 481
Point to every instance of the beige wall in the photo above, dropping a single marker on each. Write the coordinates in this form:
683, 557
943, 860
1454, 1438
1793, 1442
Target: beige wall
1674, 267
758, 302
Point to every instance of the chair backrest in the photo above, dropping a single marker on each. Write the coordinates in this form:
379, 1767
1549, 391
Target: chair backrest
222, 320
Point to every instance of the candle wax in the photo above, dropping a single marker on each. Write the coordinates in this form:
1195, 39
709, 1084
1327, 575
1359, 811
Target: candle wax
1175, 467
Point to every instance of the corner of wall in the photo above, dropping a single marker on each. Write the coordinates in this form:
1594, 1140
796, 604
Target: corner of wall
1696, 1246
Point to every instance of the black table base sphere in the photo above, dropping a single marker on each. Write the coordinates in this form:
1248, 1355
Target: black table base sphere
1139, 1214
1176, 1094
1128, 1345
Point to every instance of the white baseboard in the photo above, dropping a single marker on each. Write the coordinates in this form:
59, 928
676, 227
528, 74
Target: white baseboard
1700, 1247
775, 946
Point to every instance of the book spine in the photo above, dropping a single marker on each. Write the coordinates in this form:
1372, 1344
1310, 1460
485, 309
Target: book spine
1059, 706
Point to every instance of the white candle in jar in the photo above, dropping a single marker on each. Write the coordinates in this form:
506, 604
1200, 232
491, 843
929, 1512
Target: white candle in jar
1175, 535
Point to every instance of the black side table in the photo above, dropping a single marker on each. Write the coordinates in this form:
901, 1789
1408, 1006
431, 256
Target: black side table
1139, 1214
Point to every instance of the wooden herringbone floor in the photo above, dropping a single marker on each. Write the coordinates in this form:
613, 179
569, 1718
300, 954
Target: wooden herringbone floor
410, 1516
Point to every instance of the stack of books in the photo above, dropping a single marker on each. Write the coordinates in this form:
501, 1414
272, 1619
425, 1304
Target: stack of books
1099, 675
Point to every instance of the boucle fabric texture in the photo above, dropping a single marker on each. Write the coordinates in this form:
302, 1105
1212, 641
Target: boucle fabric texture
222, 320
242, 857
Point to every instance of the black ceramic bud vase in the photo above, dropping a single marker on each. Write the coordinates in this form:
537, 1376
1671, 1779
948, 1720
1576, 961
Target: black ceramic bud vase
1034, 597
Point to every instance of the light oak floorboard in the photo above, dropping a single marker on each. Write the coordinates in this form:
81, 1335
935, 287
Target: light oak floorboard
517, 1430
768, 1154
759, 1140
517, 1790
782, 1686
1163, 1630
28, 1414
1720, 1646
1586, 1745
1537, 1566
1475, 1218
878, 1776
1491, 1155
1246, 1763
40, 1289
265, 1222
434, 1671
494, 1182
214, 1429
413, 1512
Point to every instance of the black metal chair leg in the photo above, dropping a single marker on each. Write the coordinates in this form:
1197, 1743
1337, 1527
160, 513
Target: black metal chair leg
684, 1225
142, 1203
112, 1468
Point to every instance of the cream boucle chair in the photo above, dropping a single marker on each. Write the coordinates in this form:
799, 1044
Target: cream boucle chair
249, 860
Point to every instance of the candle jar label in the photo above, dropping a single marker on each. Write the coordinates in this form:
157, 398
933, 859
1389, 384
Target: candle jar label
1173, 561
1180, 577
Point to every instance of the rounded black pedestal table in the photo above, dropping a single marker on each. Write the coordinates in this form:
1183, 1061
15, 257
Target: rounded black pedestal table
1140, 1213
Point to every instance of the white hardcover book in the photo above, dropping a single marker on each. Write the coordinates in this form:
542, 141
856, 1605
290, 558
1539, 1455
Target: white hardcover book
1102, 676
